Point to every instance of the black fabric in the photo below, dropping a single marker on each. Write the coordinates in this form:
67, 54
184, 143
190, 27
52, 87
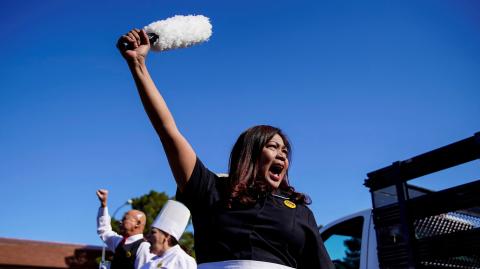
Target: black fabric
268, 231
125, 255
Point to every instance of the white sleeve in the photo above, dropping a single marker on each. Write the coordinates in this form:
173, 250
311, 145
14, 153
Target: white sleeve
104, 229
143, 255
182, 262
191, 263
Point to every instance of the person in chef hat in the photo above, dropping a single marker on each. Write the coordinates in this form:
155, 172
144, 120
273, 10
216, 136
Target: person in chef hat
166, 231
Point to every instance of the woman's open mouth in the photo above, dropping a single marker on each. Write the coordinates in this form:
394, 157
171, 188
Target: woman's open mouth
275, 171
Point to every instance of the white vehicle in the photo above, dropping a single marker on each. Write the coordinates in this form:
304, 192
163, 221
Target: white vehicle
412, 227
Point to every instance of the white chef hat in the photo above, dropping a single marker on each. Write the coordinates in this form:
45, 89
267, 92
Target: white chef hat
172, 219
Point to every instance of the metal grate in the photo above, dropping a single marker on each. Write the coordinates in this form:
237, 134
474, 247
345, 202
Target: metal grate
464, 262
444, 224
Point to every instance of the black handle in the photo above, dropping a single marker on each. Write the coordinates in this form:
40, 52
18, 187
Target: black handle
151, 36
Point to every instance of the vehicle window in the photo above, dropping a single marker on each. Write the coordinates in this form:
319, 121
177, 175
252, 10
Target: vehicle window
343, 243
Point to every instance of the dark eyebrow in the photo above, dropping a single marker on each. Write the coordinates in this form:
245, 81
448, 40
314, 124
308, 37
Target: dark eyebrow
278, 145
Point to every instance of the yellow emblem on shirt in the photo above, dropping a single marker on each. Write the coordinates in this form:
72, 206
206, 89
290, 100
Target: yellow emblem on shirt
159, 264
128, 254
289, 204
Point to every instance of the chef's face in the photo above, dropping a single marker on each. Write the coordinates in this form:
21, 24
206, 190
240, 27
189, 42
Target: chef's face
158, 241
273, 162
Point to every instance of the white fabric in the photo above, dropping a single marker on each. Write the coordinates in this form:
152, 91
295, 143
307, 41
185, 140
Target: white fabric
180, 31
112, 239
173, 258
173, 219
242, 264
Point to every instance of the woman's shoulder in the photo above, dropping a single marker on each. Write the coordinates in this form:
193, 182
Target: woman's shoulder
183, 260
304, 208
202, 188
200, 170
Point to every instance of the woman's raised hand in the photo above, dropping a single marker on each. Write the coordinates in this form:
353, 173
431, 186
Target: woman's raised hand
134, 46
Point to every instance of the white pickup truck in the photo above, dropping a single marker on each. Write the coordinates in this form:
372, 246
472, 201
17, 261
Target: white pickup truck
409, 226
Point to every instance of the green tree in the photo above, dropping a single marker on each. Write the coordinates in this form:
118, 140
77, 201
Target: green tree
352, 255
151, 204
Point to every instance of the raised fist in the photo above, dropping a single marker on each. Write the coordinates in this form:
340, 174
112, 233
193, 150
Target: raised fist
102, 195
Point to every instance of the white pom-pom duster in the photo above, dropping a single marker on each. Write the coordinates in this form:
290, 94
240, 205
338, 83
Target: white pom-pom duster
179, 31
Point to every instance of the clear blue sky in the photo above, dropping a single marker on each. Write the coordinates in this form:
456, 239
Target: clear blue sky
356, 85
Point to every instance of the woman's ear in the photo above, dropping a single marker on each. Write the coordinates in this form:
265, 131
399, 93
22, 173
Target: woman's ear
166, 238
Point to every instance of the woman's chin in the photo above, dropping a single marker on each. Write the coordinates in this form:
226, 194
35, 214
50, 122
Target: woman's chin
274, 182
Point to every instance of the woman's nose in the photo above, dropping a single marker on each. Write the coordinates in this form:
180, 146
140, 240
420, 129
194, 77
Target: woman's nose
282, 155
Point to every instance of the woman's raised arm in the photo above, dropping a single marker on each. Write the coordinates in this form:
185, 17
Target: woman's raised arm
180, 154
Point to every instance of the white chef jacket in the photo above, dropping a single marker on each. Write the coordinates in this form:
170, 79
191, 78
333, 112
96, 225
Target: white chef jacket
173, 258
112, 239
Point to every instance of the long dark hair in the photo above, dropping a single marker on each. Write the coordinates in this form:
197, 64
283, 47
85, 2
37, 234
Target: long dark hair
243, 186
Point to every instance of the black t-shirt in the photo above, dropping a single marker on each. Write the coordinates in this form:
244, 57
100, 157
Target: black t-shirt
272, 230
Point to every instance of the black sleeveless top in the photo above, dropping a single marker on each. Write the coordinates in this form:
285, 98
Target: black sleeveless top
125, 255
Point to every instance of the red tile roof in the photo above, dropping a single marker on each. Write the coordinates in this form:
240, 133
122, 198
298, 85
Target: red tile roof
32, 254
